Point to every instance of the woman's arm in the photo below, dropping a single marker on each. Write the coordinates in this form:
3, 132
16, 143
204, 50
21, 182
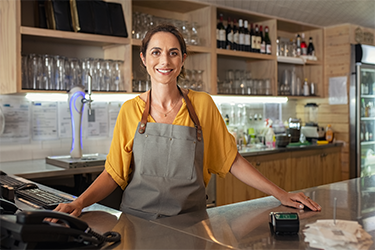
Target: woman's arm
98, 190
245, 172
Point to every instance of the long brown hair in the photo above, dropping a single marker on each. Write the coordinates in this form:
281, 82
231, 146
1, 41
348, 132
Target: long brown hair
164, 28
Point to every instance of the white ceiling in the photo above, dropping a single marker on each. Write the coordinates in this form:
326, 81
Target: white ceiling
321, 13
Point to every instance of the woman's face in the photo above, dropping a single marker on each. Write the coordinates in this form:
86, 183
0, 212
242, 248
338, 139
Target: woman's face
163, 58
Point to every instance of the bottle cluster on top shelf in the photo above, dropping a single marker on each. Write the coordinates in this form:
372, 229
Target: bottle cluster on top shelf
240, 82
56, 72
144, 22
242, 36
295, 47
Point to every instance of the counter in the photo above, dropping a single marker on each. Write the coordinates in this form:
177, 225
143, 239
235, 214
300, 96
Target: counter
242, 225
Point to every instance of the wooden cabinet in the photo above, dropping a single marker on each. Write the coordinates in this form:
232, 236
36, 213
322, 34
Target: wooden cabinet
293, 170
20, 36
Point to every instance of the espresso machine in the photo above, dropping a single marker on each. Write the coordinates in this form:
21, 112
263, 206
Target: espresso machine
311, 130
77, 100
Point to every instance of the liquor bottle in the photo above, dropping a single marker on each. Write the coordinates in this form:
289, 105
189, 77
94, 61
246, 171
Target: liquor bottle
303, 45
229, 35
362, 132
262, 41
298, 49
247, 36
310, 48
268, 41
236, 36
257, 39
252, 38
241, 33
220, 33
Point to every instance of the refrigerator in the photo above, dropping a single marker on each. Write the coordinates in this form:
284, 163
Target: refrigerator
362, 111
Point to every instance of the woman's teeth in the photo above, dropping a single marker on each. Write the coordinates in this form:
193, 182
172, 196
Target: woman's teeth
164, 71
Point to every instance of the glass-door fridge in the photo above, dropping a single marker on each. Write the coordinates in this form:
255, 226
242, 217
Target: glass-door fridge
362, 111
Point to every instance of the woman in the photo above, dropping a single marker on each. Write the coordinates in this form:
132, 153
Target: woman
168, 141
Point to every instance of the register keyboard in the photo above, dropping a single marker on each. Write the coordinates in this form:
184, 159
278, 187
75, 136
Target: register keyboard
34, 195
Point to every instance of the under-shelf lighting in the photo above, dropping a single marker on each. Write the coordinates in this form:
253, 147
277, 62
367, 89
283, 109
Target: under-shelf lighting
248, 99
57, 97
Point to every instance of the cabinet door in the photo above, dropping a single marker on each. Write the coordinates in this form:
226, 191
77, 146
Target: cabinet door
275, 167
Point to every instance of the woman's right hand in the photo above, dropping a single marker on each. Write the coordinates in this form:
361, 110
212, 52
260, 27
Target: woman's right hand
74, 208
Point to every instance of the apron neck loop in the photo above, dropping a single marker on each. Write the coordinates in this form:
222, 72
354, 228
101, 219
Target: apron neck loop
192, 114
145, 114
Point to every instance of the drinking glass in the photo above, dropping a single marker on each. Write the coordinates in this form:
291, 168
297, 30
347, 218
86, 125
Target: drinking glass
118, 82
185, 31
193, 80
47, 78
97, 75
107, 75
67, 75
186, 82
194, 36
199, 78
267, 86
59, 74
25, 75
75, 72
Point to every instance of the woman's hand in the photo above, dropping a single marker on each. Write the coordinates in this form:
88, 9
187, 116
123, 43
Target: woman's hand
74, 208
299, 200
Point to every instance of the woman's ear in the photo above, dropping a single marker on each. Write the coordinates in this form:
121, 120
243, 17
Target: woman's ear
183, 59
143, 59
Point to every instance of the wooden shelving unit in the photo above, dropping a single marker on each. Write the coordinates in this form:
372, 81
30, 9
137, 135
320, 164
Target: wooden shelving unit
21, 36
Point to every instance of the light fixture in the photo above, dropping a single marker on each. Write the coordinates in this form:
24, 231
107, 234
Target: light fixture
54, 97
248, 99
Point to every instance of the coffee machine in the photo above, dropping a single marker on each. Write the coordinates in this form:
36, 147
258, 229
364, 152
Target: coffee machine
312, 130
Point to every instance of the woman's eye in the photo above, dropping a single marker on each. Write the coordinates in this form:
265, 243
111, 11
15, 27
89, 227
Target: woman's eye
174, 53
155, 52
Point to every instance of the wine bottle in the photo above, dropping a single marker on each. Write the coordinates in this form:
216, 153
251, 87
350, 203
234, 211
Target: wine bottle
252, 38
247, 36
268, 41
303, 45
310, 48
262, 41
241, 33
236, 38
257, 39
220, 33
229, 35
298, 49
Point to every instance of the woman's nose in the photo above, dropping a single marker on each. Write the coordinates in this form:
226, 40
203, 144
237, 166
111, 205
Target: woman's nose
164, 59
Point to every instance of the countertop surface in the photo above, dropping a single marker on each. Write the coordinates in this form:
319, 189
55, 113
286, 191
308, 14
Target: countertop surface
33, 169
242, 225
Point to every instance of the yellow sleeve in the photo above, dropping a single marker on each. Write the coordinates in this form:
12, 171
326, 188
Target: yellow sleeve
120, 154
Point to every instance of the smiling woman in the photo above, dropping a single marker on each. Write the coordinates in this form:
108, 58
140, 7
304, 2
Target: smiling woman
168, 141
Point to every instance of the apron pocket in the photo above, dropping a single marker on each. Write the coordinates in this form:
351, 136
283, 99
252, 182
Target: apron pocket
168, 157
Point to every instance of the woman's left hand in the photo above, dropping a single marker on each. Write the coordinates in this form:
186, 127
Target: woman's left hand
299, 200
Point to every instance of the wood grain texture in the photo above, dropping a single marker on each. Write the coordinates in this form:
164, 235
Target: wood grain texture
290, 170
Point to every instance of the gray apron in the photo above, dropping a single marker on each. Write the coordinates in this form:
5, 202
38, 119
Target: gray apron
167, 175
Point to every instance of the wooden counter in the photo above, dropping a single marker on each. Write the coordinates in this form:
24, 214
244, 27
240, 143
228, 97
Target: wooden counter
290, 168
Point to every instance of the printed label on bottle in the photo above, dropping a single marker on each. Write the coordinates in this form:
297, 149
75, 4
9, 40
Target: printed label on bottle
258, 43
236, 38
242, 39
268, 49
217, 35
247, 40
253, 42
222, 35
230, 37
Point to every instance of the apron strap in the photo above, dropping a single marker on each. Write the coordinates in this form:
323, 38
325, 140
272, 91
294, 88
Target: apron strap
192, 114
145, 114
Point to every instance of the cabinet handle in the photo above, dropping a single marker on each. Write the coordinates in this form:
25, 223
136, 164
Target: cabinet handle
323, 155
258, 163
